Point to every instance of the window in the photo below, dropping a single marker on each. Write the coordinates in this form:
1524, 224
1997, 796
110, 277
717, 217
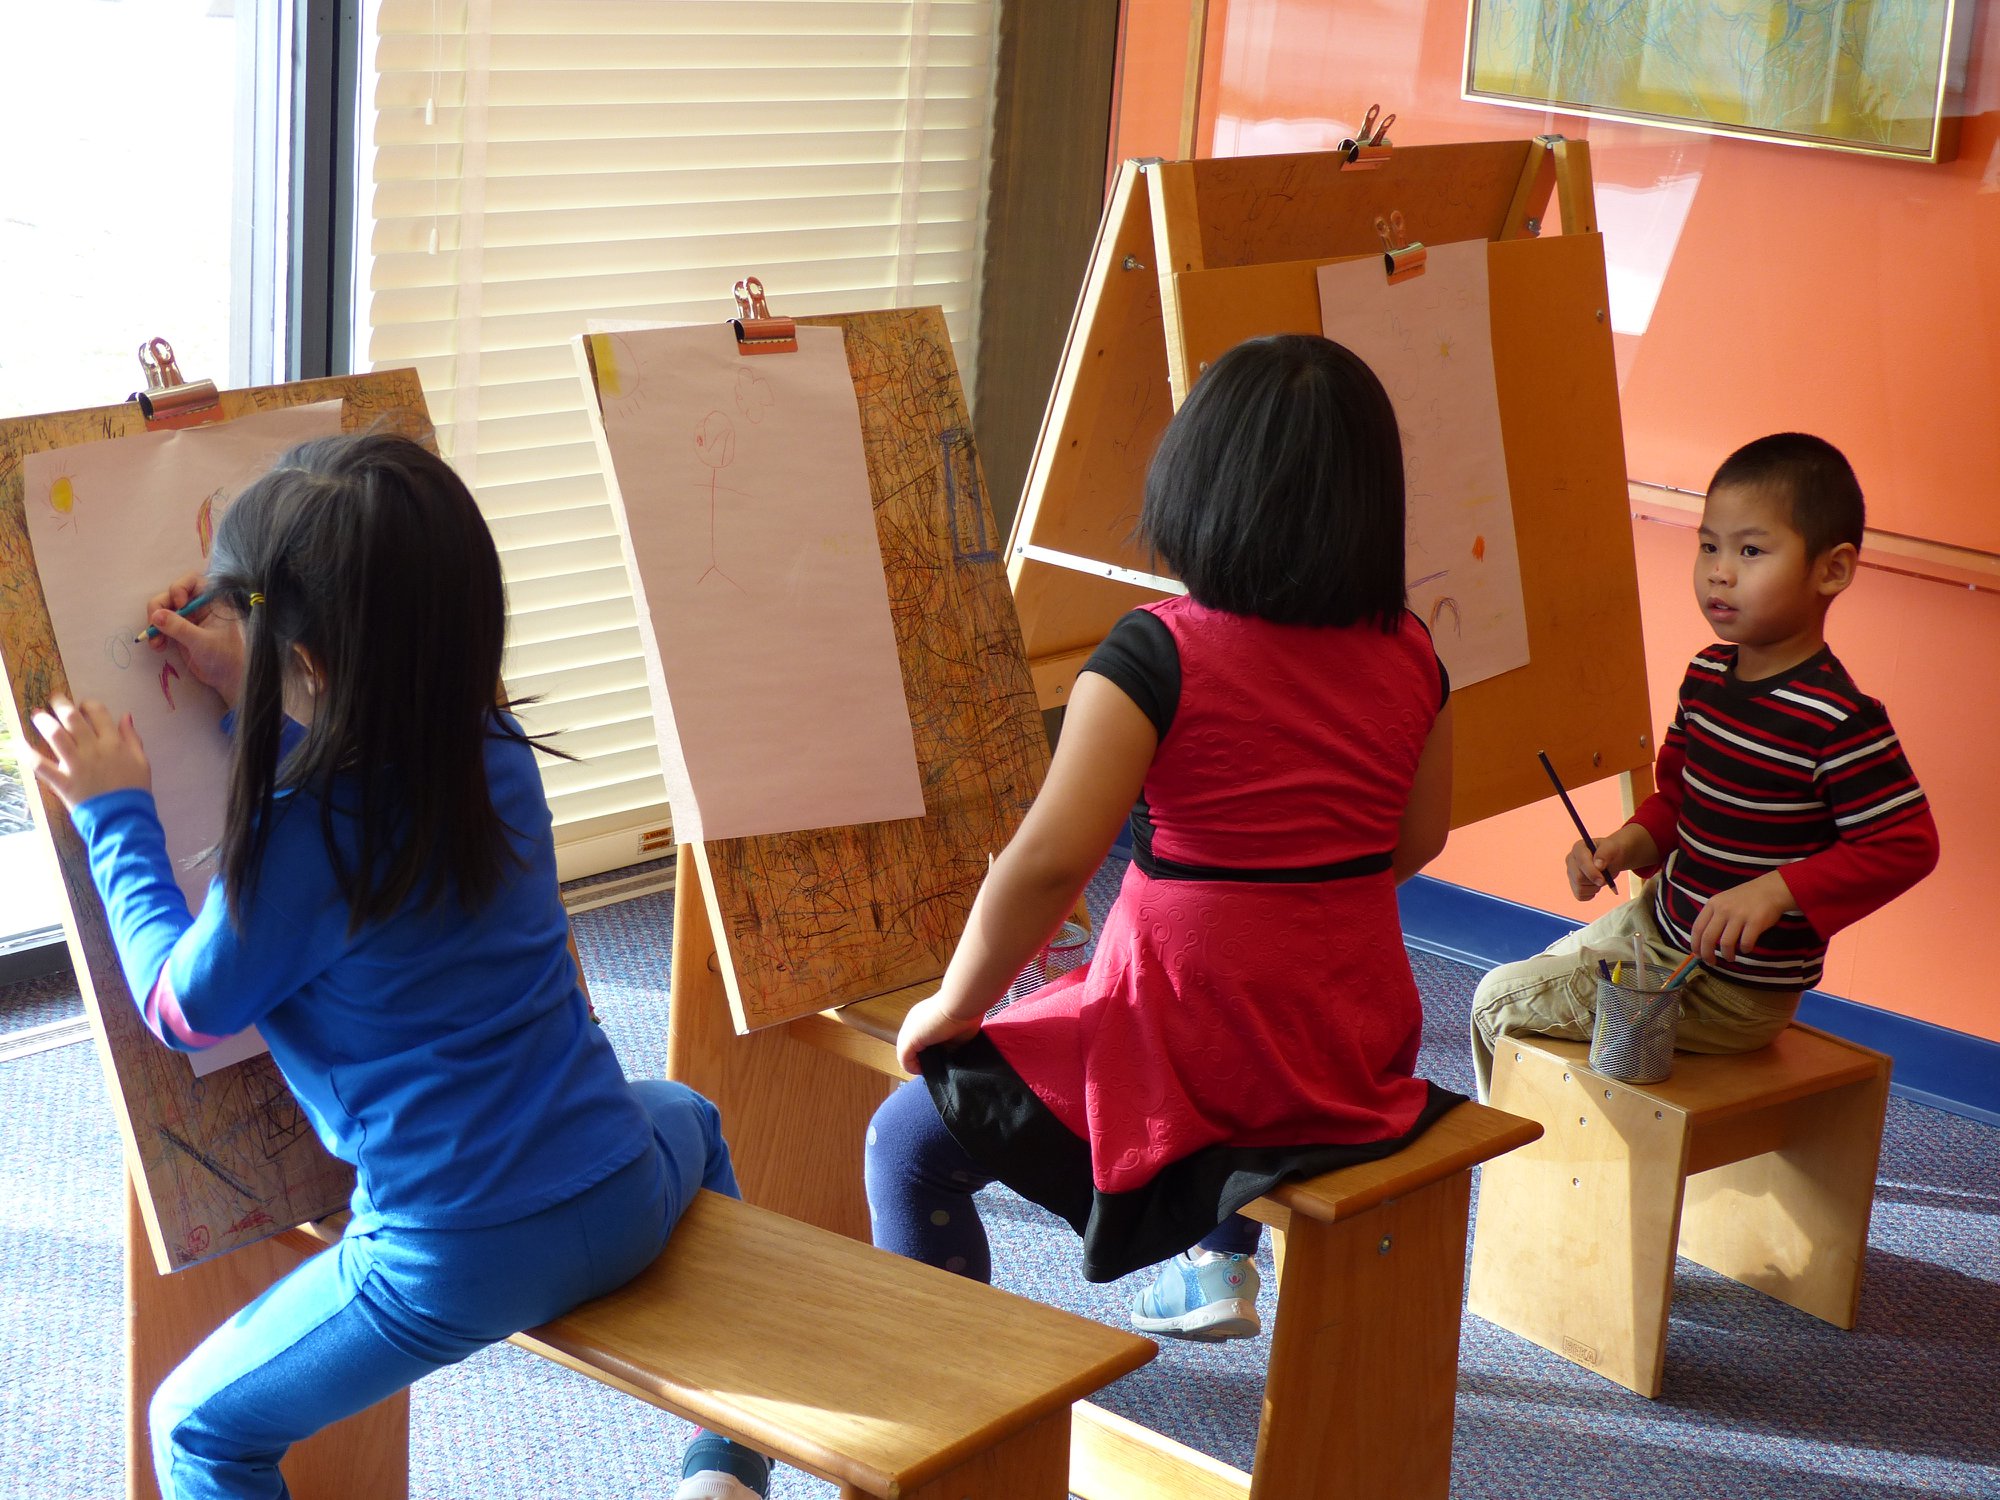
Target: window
539, 164
145, 195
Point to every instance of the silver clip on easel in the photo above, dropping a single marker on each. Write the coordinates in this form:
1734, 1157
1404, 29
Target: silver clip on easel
168, 400
1401, 259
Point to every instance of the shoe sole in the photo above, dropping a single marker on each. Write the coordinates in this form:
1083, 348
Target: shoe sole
1210, 1323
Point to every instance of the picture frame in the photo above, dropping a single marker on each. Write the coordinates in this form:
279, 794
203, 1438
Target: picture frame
1875, 77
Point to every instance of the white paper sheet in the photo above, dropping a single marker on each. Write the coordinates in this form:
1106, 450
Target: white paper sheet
750, 538
113, 523
1430, 342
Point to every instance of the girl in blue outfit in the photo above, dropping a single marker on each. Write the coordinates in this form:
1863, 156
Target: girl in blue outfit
386, 914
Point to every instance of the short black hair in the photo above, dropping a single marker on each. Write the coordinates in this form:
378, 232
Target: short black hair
1277, 489
1827, 508
368, 551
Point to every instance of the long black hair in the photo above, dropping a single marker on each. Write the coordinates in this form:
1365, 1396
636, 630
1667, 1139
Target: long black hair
365, 574
1277, 489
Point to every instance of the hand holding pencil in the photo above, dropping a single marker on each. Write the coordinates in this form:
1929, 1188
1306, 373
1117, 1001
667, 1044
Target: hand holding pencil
1593, 864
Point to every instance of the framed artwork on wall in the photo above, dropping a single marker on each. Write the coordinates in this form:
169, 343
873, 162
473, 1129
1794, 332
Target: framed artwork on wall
1870, 76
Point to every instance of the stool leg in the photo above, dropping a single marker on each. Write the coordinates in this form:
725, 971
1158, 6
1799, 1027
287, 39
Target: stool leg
1574, 1248
1364, 1356
1794, 1222
1033, 1464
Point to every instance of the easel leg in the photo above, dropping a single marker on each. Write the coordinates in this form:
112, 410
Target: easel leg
166, 1316
794, 1116
1794, 1222
1364, 1358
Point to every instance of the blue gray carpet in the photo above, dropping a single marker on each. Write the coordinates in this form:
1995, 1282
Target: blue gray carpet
1761, 1402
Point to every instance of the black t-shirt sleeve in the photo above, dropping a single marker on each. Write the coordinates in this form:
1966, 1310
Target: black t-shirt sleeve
1140, 657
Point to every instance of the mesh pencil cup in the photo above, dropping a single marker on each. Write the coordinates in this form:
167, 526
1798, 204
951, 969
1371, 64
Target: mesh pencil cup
1059, 955
1632, 1039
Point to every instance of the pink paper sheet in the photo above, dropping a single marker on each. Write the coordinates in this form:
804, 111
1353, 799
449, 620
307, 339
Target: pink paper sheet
1430, 342
743, 502
113, 523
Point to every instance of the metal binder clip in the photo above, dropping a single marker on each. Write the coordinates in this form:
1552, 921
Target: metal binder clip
1370, 148
168, 400
1401, 260
757, 332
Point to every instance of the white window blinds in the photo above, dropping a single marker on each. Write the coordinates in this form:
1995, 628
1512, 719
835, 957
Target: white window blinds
541, 163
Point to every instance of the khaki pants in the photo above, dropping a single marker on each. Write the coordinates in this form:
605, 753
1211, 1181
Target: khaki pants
1555, 994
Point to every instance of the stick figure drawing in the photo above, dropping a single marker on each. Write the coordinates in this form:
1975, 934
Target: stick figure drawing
715, 446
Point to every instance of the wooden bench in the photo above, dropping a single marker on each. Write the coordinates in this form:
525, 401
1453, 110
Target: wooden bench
885, 1377
1362, 1385
1760, 1165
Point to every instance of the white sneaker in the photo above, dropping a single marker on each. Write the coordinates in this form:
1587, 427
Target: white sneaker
1205, 1295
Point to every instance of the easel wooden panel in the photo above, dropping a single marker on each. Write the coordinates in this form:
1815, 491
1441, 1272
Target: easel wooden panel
228, 1160
815, 919
1196, 256
1582, 696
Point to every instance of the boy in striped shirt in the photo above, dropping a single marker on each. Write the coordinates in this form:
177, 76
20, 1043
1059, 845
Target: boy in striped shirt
1786, 809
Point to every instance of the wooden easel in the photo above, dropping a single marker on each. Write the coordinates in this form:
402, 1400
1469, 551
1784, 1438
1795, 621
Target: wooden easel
1195, 256
222, 1163
1192, 258
770, 931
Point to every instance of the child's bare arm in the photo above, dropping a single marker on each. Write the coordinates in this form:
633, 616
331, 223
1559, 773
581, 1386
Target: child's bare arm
1100, 764
1427, 820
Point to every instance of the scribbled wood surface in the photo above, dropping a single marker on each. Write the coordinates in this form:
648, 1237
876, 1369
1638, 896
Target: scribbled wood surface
808, 920
229, 1159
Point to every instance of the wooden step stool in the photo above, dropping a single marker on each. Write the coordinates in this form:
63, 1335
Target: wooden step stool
1760, 1165
883, 1376
878, 1374
1362, 1386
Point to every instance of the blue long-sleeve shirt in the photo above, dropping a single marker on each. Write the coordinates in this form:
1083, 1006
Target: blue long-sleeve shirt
447, 1054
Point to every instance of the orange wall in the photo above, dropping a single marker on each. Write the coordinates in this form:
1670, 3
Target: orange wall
1756, 287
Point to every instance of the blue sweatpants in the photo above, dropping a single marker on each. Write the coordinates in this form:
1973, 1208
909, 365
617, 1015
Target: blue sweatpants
920, 1185
380, 1310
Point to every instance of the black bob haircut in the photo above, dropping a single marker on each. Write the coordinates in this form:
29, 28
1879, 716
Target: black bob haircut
367, 551
1277, 489
1815, 476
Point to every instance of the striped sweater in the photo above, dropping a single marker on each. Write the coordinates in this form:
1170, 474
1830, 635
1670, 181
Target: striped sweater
1801, 772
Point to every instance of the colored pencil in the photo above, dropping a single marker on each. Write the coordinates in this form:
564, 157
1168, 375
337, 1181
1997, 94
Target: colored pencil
1575, 817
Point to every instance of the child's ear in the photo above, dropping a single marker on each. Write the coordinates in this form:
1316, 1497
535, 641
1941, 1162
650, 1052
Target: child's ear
1836, 567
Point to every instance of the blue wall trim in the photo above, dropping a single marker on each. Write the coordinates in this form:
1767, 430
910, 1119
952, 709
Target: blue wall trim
1934, 1065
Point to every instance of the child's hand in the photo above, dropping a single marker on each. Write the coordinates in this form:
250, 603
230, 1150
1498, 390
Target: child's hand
91, 753
928, 1024
1734, 919
1627, 848
211, 641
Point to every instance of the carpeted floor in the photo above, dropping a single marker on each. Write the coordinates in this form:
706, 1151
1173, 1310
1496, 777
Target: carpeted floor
1761, 1401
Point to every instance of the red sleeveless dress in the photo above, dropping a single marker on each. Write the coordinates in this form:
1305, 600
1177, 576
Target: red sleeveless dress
1249, 1013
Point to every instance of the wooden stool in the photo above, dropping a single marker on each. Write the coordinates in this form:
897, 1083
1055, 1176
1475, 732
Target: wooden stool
1363, 1378
885, 1377
1760, 1165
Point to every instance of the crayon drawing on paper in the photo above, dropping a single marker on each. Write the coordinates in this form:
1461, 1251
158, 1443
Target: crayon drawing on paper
1430, 342
125, 518
743, 502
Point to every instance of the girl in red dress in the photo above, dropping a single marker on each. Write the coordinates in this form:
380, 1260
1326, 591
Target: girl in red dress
1281, 743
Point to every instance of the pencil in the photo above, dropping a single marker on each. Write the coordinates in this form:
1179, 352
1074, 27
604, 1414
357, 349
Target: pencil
1574, 816
207, 596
